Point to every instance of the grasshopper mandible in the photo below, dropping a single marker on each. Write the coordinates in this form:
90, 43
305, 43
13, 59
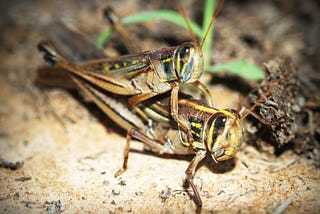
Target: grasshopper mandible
143, 75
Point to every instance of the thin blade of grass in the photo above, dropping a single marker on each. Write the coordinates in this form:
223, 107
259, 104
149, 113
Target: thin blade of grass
206, 47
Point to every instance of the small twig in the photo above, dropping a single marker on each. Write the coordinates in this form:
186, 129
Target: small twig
23, 179
234, 197
291, 162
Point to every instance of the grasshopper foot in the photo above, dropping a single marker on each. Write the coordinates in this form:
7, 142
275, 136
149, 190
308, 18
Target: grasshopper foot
48, 51
119, 172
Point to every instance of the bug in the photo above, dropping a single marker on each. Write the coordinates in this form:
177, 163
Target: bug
143, 75
217, 132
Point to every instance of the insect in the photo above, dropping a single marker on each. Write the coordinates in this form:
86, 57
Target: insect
143, 75
216, 132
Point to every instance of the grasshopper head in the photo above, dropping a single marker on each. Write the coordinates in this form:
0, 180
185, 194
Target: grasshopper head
224, 135
188, 62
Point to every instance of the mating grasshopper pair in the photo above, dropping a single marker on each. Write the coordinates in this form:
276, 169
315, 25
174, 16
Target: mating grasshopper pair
143, 75
153, 114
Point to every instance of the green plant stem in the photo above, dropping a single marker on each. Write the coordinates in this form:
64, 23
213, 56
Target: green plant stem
206, 47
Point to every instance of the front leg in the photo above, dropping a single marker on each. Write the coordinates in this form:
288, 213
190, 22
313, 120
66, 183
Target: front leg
200, 155
205, 91
174, 108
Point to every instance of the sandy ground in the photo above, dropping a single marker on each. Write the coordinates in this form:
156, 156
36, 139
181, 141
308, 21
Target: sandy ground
70, 154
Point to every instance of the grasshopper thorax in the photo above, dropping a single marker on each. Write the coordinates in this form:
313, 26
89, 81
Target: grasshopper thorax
224, 135
188, 62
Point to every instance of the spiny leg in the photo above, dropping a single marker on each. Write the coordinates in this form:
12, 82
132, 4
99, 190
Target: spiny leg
134, 133
126, 154
175, 114
205, 91
200, 155
127, 38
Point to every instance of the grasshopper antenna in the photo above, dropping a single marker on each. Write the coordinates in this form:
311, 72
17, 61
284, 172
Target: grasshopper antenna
184, 15
216, 13
128, 39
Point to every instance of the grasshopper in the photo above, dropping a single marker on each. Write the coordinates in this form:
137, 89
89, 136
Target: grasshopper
142, 75
214, 132
217, 132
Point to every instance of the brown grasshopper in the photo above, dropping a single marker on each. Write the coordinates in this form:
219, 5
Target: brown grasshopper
142, 75
216, 132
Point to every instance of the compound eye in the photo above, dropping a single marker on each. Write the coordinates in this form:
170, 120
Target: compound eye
184, 53
184, 62
220, 123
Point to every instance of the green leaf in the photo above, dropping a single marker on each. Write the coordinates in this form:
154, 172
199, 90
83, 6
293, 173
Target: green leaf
106, 34
240, 67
